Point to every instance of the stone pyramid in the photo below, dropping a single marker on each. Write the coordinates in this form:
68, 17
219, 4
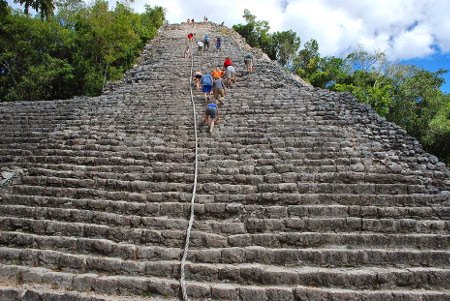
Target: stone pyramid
302, 193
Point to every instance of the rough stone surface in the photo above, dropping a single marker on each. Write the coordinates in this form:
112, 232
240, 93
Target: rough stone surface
303, 193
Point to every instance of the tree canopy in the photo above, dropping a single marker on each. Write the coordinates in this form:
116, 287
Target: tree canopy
73, 52
406, 95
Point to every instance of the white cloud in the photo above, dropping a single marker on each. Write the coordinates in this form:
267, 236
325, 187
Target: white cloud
412, 43
402, 28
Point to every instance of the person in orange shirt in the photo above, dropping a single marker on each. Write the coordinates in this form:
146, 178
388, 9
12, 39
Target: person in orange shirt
217, 73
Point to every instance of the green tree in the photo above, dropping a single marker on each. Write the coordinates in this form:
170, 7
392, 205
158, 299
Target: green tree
307, 61
331, 71
368, 62
73, 53
27, 47
44, 7
67, 10
368, 80
4, 8
285, 45
418, 99
151, 20
256, 33
437, 138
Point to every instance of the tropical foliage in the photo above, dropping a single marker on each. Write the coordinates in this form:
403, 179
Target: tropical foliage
406, 95
73, 52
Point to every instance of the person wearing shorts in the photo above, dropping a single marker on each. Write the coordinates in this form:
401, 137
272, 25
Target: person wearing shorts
219, 90
211, 114
230, 75
248, 60
207, 83
197, 77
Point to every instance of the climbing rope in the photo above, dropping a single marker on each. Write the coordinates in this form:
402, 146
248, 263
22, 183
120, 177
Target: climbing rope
194, 190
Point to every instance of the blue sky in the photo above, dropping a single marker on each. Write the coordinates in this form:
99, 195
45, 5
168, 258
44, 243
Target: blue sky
408, 31
434, 63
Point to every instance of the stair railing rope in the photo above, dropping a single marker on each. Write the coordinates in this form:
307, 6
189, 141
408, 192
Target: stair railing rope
194, 190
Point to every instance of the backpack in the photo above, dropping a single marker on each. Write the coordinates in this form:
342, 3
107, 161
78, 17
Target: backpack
206, 39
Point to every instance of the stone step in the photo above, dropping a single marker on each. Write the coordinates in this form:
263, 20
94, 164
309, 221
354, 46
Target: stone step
153, 287
139, 236
233, 164
109, 171
348, 278
89, 247
322, 257
264, 199
245, 194
174, 195
253, 274
330, 239
378, 225
94, 283
49, 293
139, 186
205, 210
99, 159
264, 182
83, 264
283, 199
230, 226
175, 238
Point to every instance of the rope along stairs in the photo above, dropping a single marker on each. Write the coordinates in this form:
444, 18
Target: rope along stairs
300, 193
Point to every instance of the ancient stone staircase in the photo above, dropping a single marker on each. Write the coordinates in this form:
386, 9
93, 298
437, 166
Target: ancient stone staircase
303, 194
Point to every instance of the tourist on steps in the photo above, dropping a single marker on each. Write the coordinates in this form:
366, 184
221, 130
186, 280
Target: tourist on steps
230, 76
187, 52
200, 46
207, 83
190, 37
227, 62
206, 41
217, 73
248, 61
211, 114
197, 77
218, 44
219, 90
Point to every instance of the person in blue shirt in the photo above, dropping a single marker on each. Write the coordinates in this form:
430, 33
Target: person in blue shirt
211, 114
218, 44
206, 42
207, 83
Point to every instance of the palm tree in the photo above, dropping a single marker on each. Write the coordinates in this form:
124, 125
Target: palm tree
44, 7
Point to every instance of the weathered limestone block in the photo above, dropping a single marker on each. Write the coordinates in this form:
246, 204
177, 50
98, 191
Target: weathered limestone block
224, 292
252, 293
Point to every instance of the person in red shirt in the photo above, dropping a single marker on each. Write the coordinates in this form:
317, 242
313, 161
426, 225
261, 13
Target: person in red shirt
190, 37
227, 62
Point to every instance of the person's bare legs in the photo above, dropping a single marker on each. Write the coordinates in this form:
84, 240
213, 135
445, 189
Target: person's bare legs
211, 126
